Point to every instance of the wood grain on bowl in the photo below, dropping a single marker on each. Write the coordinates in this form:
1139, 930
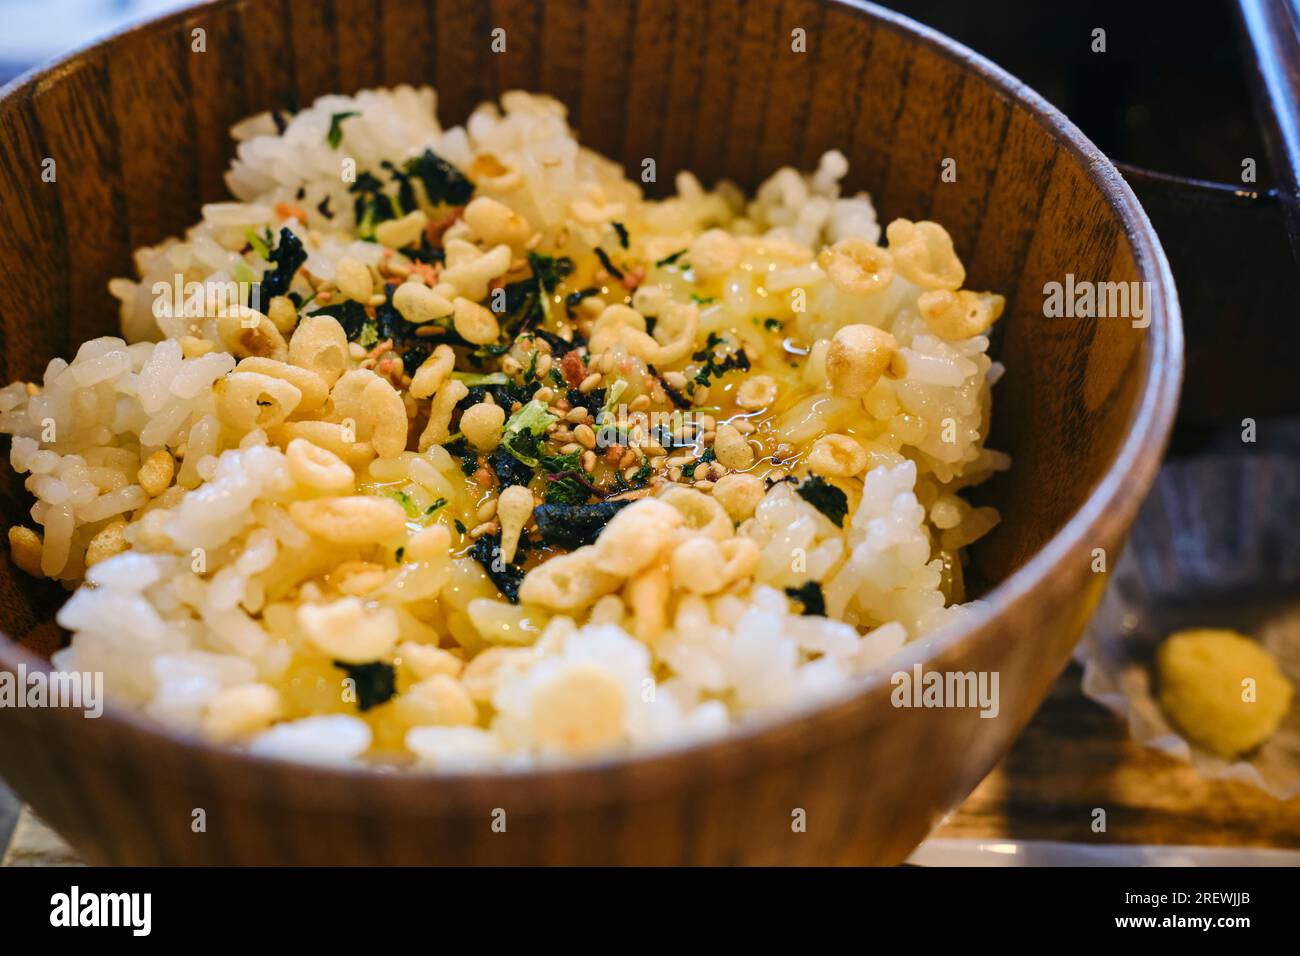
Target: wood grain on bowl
136, 126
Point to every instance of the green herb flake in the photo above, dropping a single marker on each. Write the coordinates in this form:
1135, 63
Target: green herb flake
366, 227
335, 135
558, 463
261, 244
460, 448
713, 368
549, 271
612, 394
563, 486
472, 379
492, 350
524, 429
407, 503
688, 471
639, 477
669, 260
566, 490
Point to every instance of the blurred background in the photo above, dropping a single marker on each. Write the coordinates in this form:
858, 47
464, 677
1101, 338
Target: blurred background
1168, 93
33, 31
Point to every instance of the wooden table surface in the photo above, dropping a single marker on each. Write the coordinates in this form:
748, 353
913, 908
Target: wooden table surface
1074, 758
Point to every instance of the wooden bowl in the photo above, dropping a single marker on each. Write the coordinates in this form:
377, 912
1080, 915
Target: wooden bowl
137, 126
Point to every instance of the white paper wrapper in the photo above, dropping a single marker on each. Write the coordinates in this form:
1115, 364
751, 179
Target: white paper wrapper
1217, 544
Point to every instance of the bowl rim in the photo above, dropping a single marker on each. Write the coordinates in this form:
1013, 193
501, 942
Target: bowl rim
1112, 502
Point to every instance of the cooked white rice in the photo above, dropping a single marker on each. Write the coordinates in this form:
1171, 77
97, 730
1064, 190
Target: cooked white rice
211, 604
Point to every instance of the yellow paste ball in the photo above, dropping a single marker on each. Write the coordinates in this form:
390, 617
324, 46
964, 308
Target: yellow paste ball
1221, 689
